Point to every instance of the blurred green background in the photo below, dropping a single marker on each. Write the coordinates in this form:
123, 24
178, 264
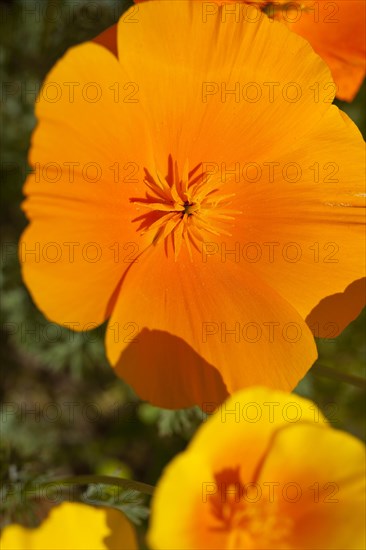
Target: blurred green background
84, 419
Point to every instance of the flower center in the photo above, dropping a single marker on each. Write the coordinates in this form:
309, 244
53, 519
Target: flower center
250, 521
190, 208
184, 207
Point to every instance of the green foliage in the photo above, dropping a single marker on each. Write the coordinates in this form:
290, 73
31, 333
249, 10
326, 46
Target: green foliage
182, 422
343, 402
130, 502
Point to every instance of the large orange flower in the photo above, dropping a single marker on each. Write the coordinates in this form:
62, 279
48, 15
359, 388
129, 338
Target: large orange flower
336, 31
146, 206
266, 472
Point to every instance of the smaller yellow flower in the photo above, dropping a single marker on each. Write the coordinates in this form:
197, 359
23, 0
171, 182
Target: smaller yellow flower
74, 526
266, 472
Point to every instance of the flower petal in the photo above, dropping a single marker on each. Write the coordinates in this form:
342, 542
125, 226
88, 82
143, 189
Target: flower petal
78, 197
234, 322
238, 436
306, 221
108, 39
197, 52
334, 313
337, 32
328, 486
179, 515
163, 368
74, 526
249, 420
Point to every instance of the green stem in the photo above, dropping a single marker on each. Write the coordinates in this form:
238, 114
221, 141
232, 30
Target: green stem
100, 479
330, 372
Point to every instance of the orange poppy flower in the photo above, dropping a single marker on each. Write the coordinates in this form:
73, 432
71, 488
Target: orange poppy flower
247, 481
336, 31
74, 526
143, 208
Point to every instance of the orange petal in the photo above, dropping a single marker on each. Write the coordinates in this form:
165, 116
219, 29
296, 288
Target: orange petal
78, 197
337, 32
334, 313
303, 227
166, 370
234, 322
234, 83
108, 39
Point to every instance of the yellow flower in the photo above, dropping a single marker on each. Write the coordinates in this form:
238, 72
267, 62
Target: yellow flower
266, 472
196, 192
73, 526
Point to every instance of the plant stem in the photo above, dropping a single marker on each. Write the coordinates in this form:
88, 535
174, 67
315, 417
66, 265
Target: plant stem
330, 372
101, 479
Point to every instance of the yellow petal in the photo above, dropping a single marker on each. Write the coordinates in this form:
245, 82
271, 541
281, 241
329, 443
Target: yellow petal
321, 489
74, 526
281, 446
178, 512
245, 424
